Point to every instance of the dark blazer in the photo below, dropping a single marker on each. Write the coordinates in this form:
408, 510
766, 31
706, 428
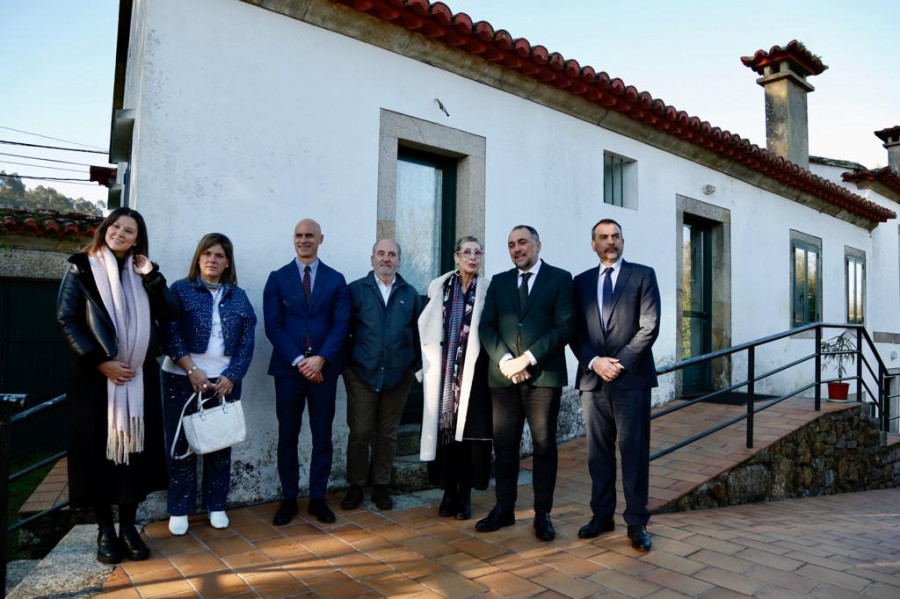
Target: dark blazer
632, 329
288, 319
544, 326
383, 346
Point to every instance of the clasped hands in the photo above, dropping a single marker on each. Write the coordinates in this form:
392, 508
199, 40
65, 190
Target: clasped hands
607, 369
311, 368
199, 382
516, 369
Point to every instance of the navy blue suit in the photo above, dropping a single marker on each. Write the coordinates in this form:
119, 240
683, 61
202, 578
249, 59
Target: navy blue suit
620, 408
290, 325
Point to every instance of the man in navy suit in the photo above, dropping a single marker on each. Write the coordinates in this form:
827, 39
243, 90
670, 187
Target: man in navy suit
616, 322
525, 326
307, 311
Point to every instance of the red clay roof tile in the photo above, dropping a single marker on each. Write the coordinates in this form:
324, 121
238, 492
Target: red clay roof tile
48, 223
804, 62
535, 61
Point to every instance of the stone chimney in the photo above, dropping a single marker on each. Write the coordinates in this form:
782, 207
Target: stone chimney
891, 139
784, 70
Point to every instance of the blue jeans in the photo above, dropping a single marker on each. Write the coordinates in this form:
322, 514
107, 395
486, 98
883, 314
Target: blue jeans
182, 499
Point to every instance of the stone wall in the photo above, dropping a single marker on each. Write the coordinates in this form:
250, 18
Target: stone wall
840, 452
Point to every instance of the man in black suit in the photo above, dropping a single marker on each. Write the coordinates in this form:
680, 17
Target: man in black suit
525, 326
617, 321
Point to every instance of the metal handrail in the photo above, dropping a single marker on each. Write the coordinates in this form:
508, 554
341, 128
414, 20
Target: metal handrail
882, 398
8, 403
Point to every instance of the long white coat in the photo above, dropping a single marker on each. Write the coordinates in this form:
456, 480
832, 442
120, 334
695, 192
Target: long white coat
431, 334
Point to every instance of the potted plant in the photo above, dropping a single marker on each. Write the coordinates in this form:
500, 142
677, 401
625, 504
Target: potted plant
832, 355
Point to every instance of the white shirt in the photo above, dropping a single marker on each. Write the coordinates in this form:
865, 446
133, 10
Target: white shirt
534, 272
602, 279
385, 288
213, 361
617, 267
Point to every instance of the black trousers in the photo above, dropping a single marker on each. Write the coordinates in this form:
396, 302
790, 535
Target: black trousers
512, 406
623, 415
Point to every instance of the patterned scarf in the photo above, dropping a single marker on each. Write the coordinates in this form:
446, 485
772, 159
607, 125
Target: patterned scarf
126, 301
458, 307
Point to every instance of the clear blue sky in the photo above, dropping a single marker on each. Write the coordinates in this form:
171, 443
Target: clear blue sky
58, 59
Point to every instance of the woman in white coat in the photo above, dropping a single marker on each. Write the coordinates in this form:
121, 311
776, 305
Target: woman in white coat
456, 420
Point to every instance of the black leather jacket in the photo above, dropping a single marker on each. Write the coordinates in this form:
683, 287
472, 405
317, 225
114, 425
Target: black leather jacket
85, 323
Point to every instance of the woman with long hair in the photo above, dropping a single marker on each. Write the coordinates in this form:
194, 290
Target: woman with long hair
208, 349
456, 421
109, 302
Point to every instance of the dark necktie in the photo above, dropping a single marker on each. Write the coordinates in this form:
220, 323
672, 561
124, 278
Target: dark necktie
307, 292
307, 283
607, 297
523, 291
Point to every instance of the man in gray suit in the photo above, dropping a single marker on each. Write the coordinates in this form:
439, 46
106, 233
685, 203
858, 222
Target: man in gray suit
616, 322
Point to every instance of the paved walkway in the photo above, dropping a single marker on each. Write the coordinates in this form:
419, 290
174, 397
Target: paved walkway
838, 546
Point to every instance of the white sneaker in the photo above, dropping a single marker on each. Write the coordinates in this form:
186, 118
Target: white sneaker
178, 525
218, 519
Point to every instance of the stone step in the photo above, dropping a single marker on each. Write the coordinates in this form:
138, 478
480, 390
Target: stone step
69, 570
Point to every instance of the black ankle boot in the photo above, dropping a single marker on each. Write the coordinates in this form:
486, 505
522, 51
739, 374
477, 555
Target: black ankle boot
109, 549
448, 504
132, 544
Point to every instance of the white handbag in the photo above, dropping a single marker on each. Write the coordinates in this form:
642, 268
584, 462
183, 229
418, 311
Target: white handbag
210, 429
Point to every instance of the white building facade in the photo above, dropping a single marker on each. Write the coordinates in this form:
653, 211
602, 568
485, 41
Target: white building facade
244, 117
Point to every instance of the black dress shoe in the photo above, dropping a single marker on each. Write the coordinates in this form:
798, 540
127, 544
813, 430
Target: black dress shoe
286, 512
464, 511
109, 547
640, 538
353, 498
496, 519
596, 527
543, 527
319, 508
381, 496
133, 545
448, 505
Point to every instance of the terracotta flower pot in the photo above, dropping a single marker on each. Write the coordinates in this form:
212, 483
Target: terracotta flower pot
838, 391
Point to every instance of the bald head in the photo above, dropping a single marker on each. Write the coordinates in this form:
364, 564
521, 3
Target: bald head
307, 239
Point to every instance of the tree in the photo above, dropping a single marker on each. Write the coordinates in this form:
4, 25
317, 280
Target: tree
14, 195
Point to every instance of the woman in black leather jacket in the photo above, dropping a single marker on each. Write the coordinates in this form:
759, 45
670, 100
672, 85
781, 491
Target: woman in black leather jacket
108, 305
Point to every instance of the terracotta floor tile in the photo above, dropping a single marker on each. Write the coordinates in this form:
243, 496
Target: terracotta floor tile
171, 545
255, 531
229, 546
468, 566
452, 585
394, 584
688, 585
307, 568
624, 584
156, 562
509, 585
247, 561
566, 584
197, 563
358, 565
275, 584
219, 584
126, 593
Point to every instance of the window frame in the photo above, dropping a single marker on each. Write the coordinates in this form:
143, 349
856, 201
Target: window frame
799, 297
626, 168
853, 256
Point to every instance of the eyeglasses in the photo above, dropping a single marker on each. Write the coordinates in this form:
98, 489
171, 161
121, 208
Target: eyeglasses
472, 253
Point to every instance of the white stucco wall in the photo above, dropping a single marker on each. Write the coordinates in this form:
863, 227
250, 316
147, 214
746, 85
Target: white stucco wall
249, 120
